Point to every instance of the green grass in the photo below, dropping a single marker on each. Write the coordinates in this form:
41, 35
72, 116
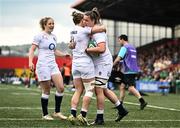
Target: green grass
20, 107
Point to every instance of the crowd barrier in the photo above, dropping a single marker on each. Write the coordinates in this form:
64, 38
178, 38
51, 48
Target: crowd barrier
152, 86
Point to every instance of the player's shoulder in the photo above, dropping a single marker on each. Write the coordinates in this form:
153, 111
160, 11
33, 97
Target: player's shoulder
99, 34
85, 29
39, 35
123, 49
76, 29
52, 34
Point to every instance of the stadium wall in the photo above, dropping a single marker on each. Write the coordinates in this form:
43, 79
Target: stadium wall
12, 62
20, 64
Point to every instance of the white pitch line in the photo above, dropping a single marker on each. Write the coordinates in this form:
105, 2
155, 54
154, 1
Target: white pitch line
31, 93
146, 120
34, 119
23, 108
16, 119
153, 106
171, 109
131, 103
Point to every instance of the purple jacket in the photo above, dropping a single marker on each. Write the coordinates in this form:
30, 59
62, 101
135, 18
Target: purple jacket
130, 59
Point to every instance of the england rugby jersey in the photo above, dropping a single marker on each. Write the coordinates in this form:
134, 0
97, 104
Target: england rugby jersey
106, 57
81, 38
46, 46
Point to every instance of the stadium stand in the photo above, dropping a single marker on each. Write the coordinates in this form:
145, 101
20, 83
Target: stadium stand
158, 60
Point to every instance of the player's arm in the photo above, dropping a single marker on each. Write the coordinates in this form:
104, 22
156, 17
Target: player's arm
120, 55
98, 28
100, 48
59, 53
72, 43
31, 56
100, 39
118, 58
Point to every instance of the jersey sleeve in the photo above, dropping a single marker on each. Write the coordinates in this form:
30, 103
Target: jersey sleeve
87, 30
36, 40
122, 52
99, 37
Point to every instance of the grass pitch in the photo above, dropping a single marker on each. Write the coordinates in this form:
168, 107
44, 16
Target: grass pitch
20, 107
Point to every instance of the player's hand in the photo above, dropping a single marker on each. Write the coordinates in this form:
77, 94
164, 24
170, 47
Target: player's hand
31, 66
86, 50
72, 45
68, 55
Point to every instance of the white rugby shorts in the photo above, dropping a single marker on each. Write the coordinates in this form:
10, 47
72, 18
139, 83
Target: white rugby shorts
44, 73
102, 73
83, 70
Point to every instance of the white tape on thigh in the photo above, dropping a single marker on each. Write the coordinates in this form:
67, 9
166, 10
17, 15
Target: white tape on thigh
89, 88
100, 82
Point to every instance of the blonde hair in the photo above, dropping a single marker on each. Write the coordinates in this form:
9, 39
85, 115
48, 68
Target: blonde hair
43, 22
77, 17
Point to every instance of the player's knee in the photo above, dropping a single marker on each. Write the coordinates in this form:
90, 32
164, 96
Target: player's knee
88, 94
46, 92
131, 88
89, 88
61, 89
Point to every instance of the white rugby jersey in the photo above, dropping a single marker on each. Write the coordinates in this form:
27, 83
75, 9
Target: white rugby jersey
46, 46
81, 38
106, 57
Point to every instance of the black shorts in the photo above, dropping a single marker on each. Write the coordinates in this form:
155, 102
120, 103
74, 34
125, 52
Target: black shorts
116, 77
129, 79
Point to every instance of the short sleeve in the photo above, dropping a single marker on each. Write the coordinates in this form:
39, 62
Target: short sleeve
36, 40
87, 30
100, 37
122, 52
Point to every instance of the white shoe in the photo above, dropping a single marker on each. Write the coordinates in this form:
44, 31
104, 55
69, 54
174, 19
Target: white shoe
47, 117
59, 115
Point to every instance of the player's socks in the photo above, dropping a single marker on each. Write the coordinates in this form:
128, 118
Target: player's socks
99, 120
44, 104
121, 102
141, 100
120, 108
100, 115
73, 112
143, 103
83, 112
58, 100
122, 112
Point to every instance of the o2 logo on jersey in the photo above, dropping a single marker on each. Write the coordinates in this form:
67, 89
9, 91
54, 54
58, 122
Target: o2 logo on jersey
52, 46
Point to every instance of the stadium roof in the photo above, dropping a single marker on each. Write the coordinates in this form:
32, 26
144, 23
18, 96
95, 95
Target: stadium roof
153, 12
